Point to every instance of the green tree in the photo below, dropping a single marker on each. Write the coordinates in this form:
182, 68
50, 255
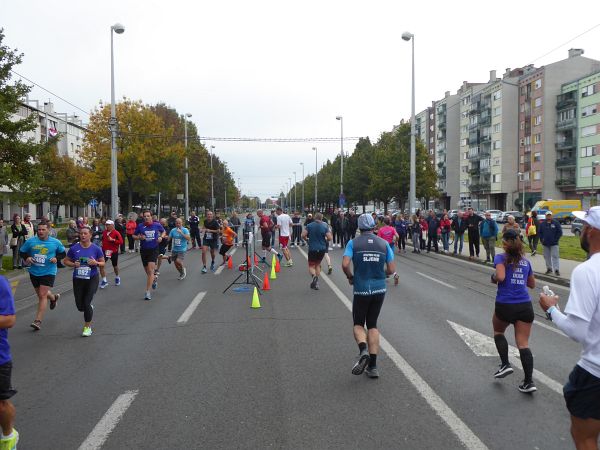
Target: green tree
356, 173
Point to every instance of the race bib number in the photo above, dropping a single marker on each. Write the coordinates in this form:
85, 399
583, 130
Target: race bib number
83, 272
39, 260
108, 253
149, 234
177, 242
208, 235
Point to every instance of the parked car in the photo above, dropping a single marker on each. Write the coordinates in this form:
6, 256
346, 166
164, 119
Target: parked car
518, 215
494, 213
576, 227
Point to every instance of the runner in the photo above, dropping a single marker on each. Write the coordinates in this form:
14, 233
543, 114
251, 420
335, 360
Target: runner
388, 233
150, 234
329, 244
211, 230
228, 240
266, 226
372, 259
318, 234
111, 243
10, 436
85, 257
194, 223
163, 247
41, 253
180, 238
284, 222
513, 276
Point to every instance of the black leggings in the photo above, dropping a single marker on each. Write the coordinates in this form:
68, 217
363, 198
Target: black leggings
84, 291
366, 309
195, 234
131, 241
402, 242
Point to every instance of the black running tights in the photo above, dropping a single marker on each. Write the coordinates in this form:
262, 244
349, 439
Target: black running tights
84, 291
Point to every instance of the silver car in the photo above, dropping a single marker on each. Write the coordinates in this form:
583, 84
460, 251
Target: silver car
495, 213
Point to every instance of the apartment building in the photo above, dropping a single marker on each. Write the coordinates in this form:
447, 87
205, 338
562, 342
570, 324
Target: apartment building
578, 139
446, 139
545, 142
425, 130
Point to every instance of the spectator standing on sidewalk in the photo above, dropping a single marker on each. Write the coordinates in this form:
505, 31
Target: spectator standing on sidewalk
433, 224
581, 322
18, 236
401, 227
473, 233
512, 225
446, 226
459, 225
72, 234
3, 242
550, 233
415, 232
489, 230
423, 235
533, 225
352, 225
342, 226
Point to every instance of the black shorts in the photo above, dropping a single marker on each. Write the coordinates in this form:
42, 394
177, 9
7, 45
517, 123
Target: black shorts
224, 249
114, 258
266, 239
149, 255
315, 257
366, 309
210, 243
6, 390
511, 312
44, 280
582, 394
162, 247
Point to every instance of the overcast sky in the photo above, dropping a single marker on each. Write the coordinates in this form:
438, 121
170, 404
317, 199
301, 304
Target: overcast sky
278, 69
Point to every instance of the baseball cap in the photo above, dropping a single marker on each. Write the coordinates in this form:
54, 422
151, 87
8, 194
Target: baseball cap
109, 222
366, 222
591, 216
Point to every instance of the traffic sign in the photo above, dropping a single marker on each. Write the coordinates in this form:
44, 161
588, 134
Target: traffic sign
93, 203
342, 199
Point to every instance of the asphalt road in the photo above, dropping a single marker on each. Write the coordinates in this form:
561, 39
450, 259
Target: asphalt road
279, 376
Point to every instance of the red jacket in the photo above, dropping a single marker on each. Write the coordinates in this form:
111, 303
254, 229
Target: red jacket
445, 224
130, 227
107, 244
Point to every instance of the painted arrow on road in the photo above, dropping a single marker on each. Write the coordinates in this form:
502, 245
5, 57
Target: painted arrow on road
483, 345
13, 285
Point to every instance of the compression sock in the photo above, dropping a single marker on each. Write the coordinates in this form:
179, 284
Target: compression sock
362, 346
372, 360
527, 361
502, 347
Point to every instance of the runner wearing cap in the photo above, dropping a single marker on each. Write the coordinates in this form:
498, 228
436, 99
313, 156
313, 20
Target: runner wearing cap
513, 276
111, 243
581, 322
372, 259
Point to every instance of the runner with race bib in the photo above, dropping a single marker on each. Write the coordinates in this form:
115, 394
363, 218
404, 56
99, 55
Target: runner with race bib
150, 234
180, 237
111, 243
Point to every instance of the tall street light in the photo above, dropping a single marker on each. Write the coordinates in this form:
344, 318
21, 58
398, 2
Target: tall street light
316, 171
290, 192
595, 197
412, 196
186, 214
302, 164
114, 186
341, 200
212, 180
521, 176
295, 189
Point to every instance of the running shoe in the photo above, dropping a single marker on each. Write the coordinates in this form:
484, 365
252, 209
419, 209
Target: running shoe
155, 283
53, 302
117, 281
361, 363
527, 387
503, 371
557, 273
372, 372
184, 274
169, 259
204, 269
289, 264
147, 296
313, 284
87, 332
103, 284
329, 270
10, 443
212, 266
36, 325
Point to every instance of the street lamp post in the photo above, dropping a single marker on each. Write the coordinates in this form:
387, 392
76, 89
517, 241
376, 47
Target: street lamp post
114, 186
302, 164
341, 119
212, 180
290, 192
521, 176
316, 171
187, 185
413, 192
595, 197
295, 189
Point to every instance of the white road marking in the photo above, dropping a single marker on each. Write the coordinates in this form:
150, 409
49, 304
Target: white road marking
437, 281
191, 308
109, 421
483, 345
458, 427
220, 269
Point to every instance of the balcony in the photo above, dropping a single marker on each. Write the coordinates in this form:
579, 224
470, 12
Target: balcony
567, 124
565, 101
482, 153
442, 173
441, 136
480, 187
485, 121
473, 126
567, 161
485, 139
565, 145
566, 183
442, 125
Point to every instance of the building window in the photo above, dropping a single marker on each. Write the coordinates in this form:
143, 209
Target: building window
588, 131
497, 128
537, 175
522, 109
496, 161
538, 84
430, 141
537, 139
466, 155
538, 102
465, 169
463, 142
522, 125
538, 120
496, 178
497, 145
588, 90
497, 110
586, 171
537, 157
566, 115
590, 150
497, 95
522, 159
466, 100
526, 176
589, 110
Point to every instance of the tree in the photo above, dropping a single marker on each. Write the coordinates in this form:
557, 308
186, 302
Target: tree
19, 155
356, 173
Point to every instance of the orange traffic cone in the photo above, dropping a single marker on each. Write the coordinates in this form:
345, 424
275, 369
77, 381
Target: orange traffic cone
230, 262
266, 286
277, 266
255, 260
248, 262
